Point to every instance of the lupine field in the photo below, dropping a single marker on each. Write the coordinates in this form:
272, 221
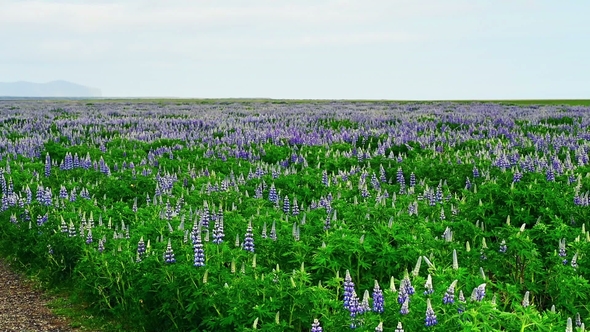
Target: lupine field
309, 216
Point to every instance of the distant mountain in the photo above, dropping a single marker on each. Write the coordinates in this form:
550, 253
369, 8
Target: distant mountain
51, 89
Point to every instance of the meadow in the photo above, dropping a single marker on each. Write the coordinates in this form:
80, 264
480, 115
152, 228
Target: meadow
246, 215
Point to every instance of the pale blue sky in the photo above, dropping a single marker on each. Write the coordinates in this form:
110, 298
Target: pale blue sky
395, 49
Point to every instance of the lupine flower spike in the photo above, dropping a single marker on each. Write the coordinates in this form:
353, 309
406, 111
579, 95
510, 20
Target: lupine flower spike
377, 298
405, 307
428, 286
399, 327
430, 319
315, 327
169, 255
449, 297
379, 327
525, 300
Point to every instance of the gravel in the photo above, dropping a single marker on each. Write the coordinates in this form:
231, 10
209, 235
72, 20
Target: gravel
22, 308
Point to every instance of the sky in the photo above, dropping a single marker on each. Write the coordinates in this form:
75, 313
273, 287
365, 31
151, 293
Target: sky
303, 49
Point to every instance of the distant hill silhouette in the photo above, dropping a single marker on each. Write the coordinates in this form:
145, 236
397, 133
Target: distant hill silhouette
50, 89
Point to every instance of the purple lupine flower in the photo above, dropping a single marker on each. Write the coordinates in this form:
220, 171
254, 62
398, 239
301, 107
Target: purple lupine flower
327, 222
39, 220
348, 290
575, 260
72, 229
64, 226
449, 297
89, 237
315, 327
562, 252
461, 307
402, 295
273, 231
218, 231
412, 179
378, 302
63, 192
248, 244
475, 172
272, 194
100, 245
141, 247
199, 259
430, 319
517, 176
467, 183
286, 205
428, 286
354, 308
47, 165
550, 175
578, 320
407, 285
478, 293
364, 304
295, 208
325, 180
379, 327
503, 247
405, 307
169, 254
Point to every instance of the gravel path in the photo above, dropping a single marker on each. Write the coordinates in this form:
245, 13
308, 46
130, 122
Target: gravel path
22, 308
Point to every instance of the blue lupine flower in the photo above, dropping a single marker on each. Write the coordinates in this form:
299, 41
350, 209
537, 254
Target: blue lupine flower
169, 254
478, 293
449, 297
273, 231
348, 290
461, 307
364, 304
272, 194
402, 295
315, 327
141, 247
295, 208
428, 285
248, 244
199, 259
407, 284
575, 260
325, 180
550, 175
503, 247
89, 237
517, 176
475, 172
562, 252
354, 309
378, 302
218, 231
430, 319
286, 205
47, 165
379, 327
405, 307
